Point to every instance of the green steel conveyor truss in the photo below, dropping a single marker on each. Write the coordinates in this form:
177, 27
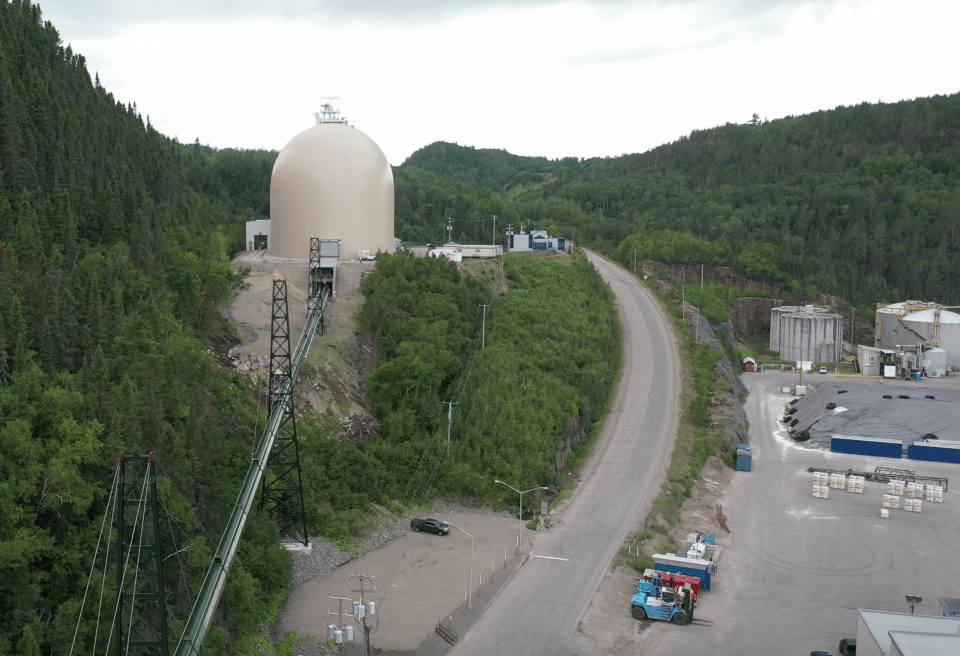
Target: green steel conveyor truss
204, 609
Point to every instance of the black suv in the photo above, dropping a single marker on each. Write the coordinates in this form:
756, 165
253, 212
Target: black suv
431, 525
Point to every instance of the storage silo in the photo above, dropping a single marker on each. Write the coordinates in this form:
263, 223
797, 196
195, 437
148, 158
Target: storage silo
890, 328
333, 182
942, 328
811, 334
909, 323
776, 315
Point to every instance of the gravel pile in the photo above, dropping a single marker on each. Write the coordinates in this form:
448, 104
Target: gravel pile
324, 556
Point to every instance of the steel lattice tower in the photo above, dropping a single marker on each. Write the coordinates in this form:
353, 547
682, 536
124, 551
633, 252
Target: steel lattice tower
315, 280
282, 489
141, 616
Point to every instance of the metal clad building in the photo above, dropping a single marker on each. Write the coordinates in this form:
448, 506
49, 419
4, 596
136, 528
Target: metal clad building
874, 628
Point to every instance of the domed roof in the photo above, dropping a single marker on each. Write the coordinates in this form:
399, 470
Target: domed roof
333, 182
928, 316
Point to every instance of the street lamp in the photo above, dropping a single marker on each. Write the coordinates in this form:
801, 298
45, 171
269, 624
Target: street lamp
470, 602
913, 600
520, 535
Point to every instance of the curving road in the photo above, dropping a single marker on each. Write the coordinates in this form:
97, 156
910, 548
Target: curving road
539, 610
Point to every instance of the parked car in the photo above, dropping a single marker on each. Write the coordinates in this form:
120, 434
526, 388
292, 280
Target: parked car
848, 647
823, 370
430, 525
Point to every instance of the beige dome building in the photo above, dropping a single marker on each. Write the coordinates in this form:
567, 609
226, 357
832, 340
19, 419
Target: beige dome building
333, 182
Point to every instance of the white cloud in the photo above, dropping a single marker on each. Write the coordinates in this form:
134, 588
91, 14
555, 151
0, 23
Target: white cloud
534, 78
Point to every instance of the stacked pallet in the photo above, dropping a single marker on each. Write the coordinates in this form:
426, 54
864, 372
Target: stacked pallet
934, 493
821, 486
915, 490
895, 486
855, 484
912, 505
891, 501
838, 481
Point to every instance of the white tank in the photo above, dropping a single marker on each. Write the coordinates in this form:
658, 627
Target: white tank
925, 322
911, 322
935, 362
333, 182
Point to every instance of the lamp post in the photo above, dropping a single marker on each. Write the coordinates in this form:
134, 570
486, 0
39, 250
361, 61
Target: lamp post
520, 535
470, 601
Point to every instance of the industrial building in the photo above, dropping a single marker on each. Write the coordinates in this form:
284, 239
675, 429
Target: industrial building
806, 333
926, 336
333, 182
536, 240
881, 633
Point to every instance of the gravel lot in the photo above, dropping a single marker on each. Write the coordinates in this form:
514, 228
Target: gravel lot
420, 578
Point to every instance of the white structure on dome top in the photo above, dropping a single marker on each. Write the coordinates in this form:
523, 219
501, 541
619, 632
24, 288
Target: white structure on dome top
333, 182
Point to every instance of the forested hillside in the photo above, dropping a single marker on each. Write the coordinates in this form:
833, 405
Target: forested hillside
114, 271
861, 202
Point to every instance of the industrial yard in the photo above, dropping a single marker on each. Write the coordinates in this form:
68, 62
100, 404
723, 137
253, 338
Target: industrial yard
796, 567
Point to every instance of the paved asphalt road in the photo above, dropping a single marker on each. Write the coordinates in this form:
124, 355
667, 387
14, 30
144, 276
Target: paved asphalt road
538, 611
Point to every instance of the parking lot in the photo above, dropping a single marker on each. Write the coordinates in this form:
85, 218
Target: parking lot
796, 568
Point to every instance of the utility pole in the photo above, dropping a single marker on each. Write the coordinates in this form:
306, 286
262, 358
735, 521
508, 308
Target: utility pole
494, 242
449, 229
701, 277
450, 405
360, 609
634, 261
483, 327
341, 626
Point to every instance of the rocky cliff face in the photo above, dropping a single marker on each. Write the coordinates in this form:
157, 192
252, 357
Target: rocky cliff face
727, 408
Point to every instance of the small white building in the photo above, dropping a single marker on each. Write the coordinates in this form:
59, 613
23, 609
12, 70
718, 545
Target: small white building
258, 235
882, 633
451, 254
519, 242
480, 250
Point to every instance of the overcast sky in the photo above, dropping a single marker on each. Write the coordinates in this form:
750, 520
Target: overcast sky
534, 77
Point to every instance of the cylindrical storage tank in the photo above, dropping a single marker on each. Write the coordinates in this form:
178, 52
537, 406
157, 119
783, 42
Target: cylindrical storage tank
333, 182
816, 337
935, 362
924, 322
776, 315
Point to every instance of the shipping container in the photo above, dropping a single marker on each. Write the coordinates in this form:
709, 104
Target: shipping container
935, 452
685, 566
866, 446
